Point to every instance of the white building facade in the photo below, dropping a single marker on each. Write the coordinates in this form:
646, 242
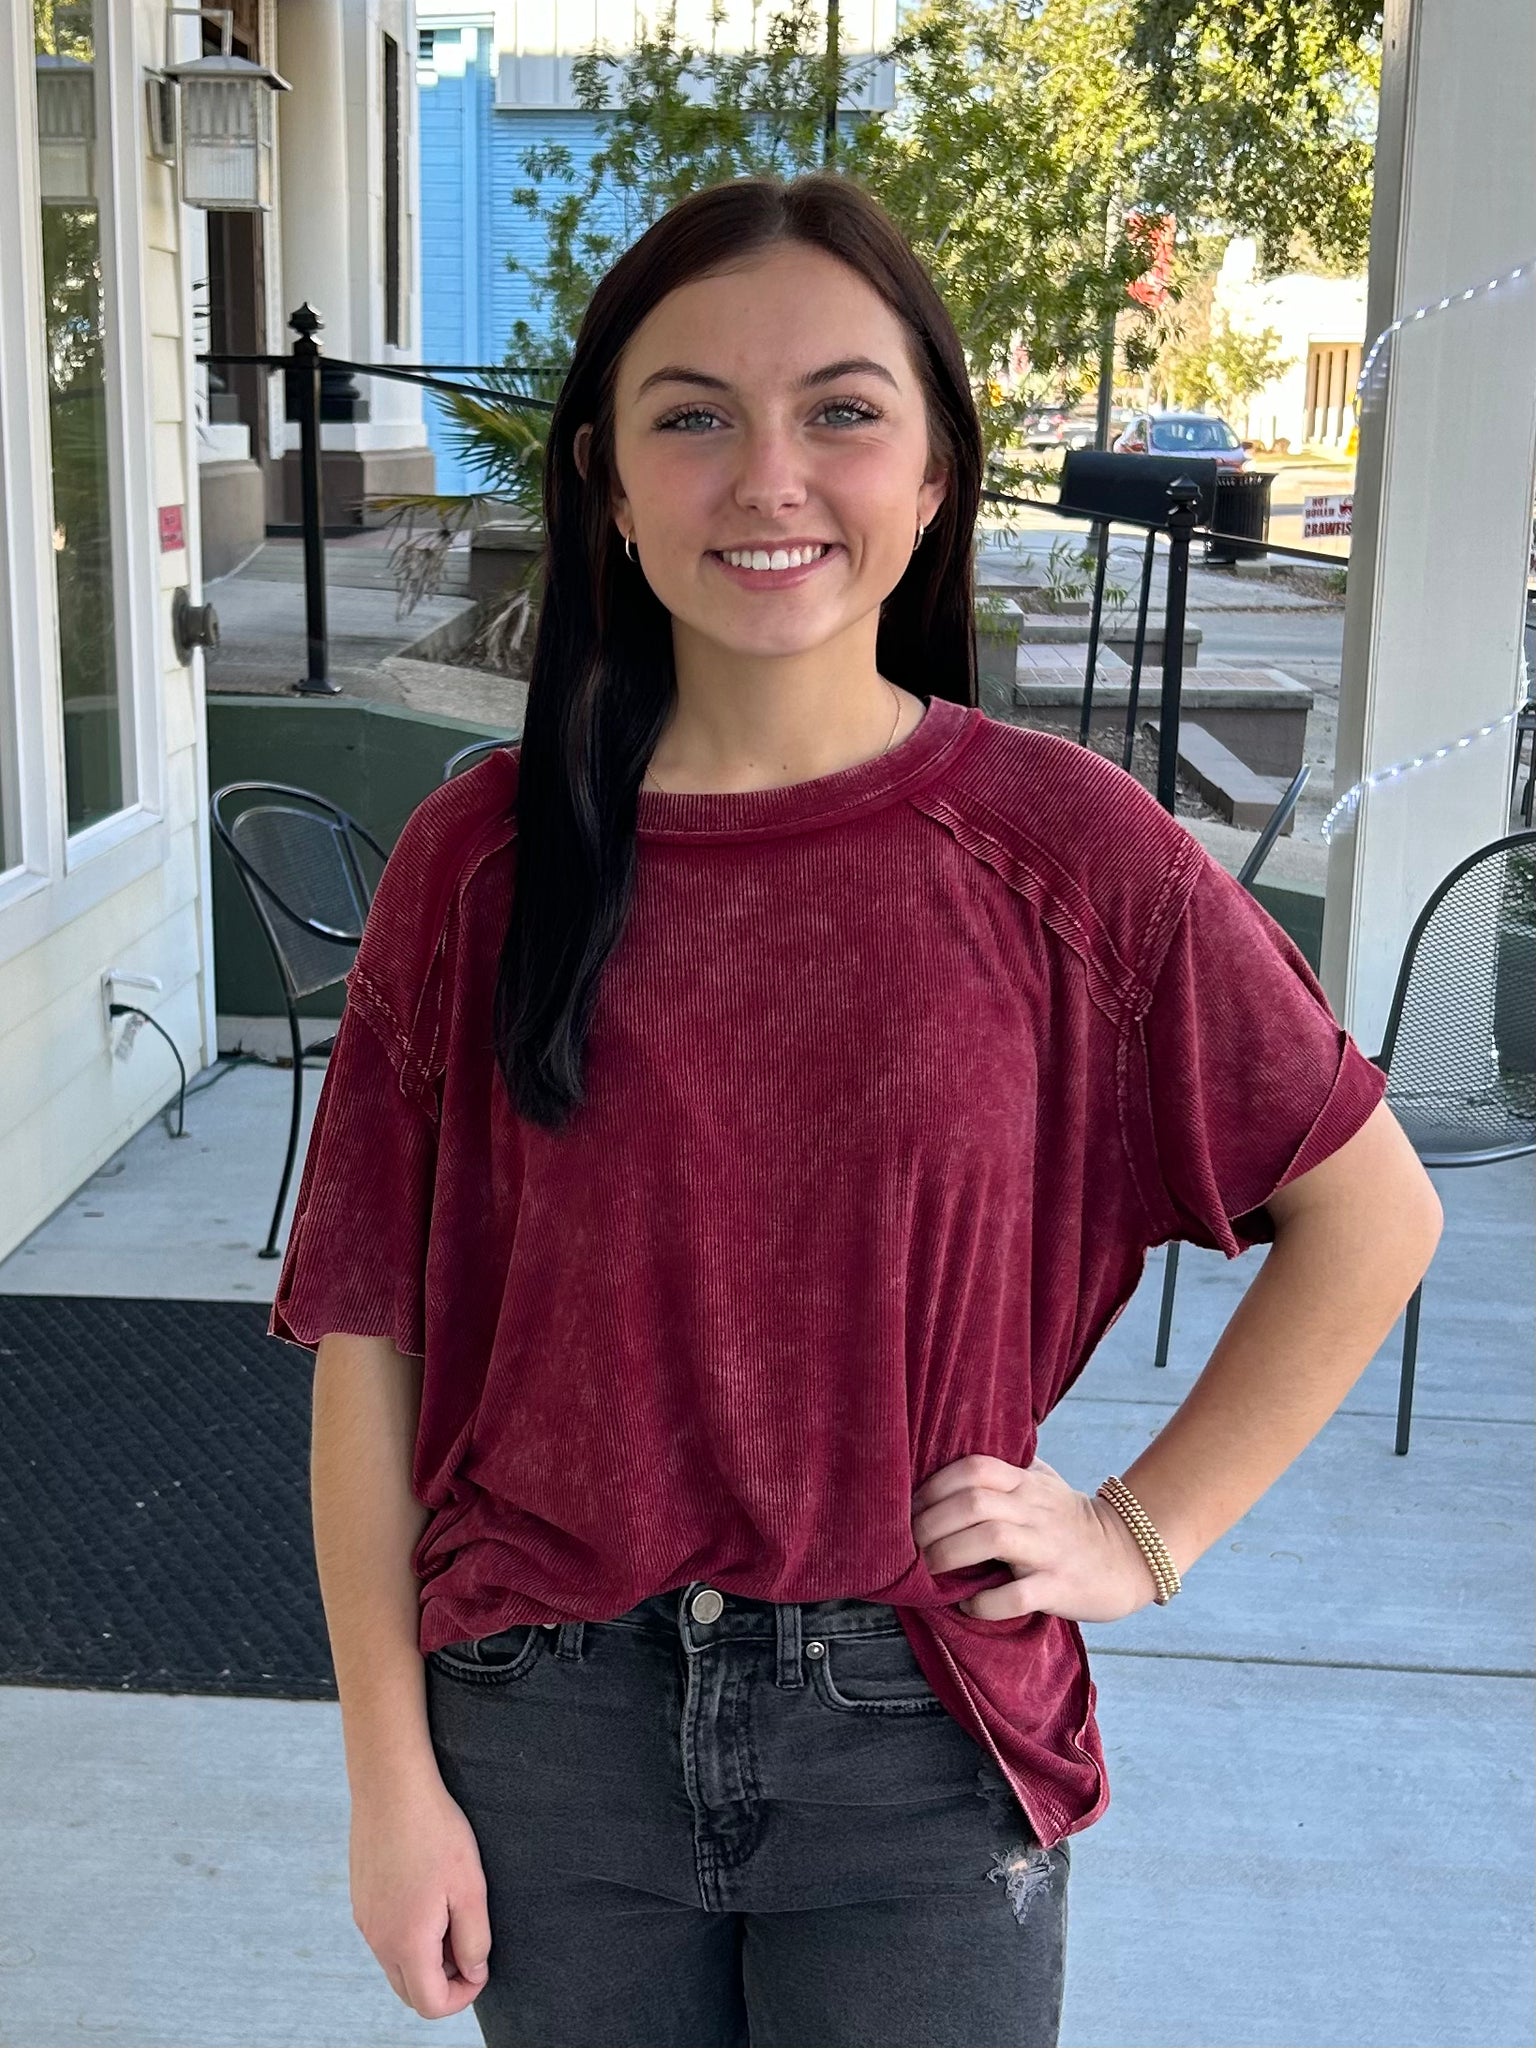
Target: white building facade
1320, 322
342, 236
117, 454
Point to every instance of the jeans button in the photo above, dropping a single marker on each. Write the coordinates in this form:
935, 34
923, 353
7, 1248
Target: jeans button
706, 1606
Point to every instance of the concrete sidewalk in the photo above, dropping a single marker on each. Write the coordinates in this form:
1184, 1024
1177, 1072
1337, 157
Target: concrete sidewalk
377, 654
1320, 1832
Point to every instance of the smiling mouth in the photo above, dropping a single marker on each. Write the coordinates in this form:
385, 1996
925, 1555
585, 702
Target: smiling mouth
764, 562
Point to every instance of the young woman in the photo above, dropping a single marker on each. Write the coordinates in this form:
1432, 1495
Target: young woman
758, 1093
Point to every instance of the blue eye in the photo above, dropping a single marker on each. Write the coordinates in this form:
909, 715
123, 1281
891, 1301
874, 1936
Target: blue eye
856, 406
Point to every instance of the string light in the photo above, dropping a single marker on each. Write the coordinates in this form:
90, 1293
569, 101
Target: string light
1350, 800
1374, 353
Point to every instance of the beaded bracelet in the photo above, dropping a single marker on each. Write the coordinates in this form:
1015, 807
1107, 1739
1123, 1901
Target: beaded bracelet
1165, 1575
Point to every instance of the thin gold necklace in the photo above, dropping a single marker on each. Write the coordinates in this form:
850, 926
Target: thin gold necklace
650, 778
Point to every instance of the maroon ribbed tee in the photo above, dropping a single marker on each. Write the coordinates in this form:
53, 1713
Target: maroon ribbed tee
893, 1079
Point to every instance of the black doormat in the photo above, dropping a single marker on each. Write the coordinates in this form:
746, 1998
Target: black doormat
154, 1500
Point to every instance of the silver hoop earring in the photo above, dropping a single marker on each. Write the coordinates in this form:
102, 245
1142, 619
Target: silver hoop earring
921, 530
629, 547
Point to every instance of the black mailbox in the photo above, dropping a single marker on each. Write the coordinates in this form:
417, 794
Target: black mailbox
1135, 487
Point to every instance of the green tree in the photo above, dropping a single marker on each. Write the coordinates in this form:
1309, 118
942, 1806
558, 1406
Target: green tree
1203, 361
1270, 108
1008, 162
1023, 132
672, 117
1243, 362
1014, 128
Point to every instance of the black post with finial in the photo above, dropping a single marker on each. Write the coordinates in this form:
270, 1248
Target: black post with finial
305, 385
1183, 518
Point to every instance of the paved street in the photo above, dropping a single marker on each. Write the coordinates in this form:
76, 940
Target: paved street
1246, 622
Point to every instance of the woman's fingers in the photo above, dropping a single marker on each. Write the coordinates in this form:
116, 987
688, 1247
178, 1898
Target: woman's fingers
467, 1945
428, 1988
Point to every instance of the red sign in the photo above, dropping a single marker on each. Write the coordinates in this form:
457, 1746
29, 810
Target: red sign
171, 534
1153, 233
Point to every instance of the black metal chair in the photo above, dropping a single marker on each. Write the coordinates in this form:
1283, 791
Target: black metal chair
466, 757
1459, 1047
299, 860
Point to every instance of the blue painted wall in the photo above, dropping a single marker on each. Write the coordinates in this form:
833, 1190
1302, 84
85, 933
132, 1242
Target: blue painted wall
471, 161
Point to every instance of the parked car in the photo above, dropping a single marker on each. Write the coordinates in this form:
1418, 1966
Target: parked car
1181, 433
1067, 426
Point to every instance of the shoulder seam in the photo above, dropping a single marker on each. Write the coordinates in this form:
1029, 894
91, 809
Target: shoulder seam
1074, 905
468, 830
1171, 903
374, 1009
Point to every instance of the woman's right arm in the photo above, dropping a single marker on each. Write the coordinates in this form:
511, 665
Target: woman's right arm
367, 1521
418, 1889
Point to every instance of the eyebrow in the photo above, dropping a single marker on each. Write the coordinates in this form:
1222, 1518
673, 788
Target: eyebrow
847, 366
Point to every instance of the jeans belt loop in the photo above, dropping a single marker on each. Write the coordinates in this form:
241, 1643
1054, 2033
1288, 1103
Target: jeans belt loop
791, 1667
569, 1637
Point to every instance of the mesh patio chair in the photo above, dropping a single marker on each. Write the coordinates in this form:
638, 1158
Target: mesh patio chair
466, 757
1459, 1048
300, 860
1258, 853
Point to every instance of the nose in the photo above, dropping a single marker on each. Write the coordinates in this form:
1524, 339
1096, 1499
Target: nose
770, 474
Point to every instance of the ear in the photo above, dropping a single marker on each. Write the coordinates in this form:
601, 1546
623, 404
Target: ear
581, 449
935, 490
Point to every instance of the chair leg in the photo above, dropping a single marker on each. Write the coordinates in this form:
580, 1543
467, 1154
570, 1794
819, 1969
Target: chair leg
1410, 1359
1165, 1315
270, 1250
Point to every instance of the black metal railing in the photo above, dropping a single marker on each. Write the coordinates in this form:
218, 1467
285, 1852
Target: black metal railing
1157, 496
305, 367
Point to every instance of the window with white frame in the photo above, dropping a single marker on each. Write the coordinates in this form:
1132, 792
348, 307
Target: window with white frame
10, 750
83, 414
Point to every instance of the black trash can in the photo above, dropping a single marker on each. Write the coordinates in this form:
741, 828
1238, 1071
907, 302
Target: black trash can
1241, 509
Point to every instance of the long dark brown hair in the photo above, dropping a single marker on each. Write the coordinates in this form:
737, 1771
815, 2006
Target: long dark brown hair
602, 681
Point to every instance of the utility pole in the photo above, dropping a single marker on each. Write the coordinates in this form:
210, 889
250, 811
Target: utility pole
1106, 341
1101, 442
829, 135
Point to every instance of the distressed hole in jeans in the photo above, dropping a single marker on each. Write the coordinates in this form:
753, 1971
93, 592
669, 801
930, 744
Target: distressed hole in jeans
1027, 1871
1025, 1868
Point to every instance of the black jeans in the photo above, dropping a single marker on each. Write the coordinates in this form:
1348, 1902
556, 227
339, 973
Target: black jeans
717, 1822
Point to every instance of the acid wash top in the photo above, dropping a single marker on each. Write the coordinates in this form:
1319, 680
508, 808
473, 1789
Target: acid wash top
894, 1077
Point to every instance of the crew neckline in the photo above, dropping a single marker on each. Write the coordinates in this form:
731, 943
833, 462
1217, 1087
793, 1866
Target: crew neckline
730, 814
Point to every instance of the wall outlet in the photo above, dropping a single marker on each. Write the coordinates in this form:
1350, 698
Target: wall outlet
117, 986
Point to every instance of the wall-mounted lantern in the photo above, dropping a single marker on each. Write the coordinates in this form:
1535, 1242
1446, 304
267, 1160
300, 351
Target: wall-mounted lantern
66, 129
219, 130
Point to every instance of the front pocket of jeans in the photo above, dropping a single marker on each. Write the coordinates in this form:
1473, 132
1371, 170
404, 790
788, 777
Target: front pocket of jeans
493, 1660
873, 1674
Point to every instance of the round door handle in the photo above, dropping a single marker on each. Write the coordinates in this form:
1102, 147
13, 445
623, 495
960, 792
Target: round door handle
192, 625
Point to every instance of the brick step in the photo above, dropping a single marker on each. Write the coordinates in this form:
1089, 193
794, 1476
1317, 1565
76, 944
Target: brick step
1244, 798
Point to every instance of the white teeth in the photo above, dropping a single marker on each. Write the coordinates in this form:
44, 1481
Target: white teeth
781, 558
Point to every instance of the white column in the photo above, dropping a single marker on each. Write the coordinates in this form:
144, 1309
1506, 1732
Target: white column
312, 141
395, 410
1447, 461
